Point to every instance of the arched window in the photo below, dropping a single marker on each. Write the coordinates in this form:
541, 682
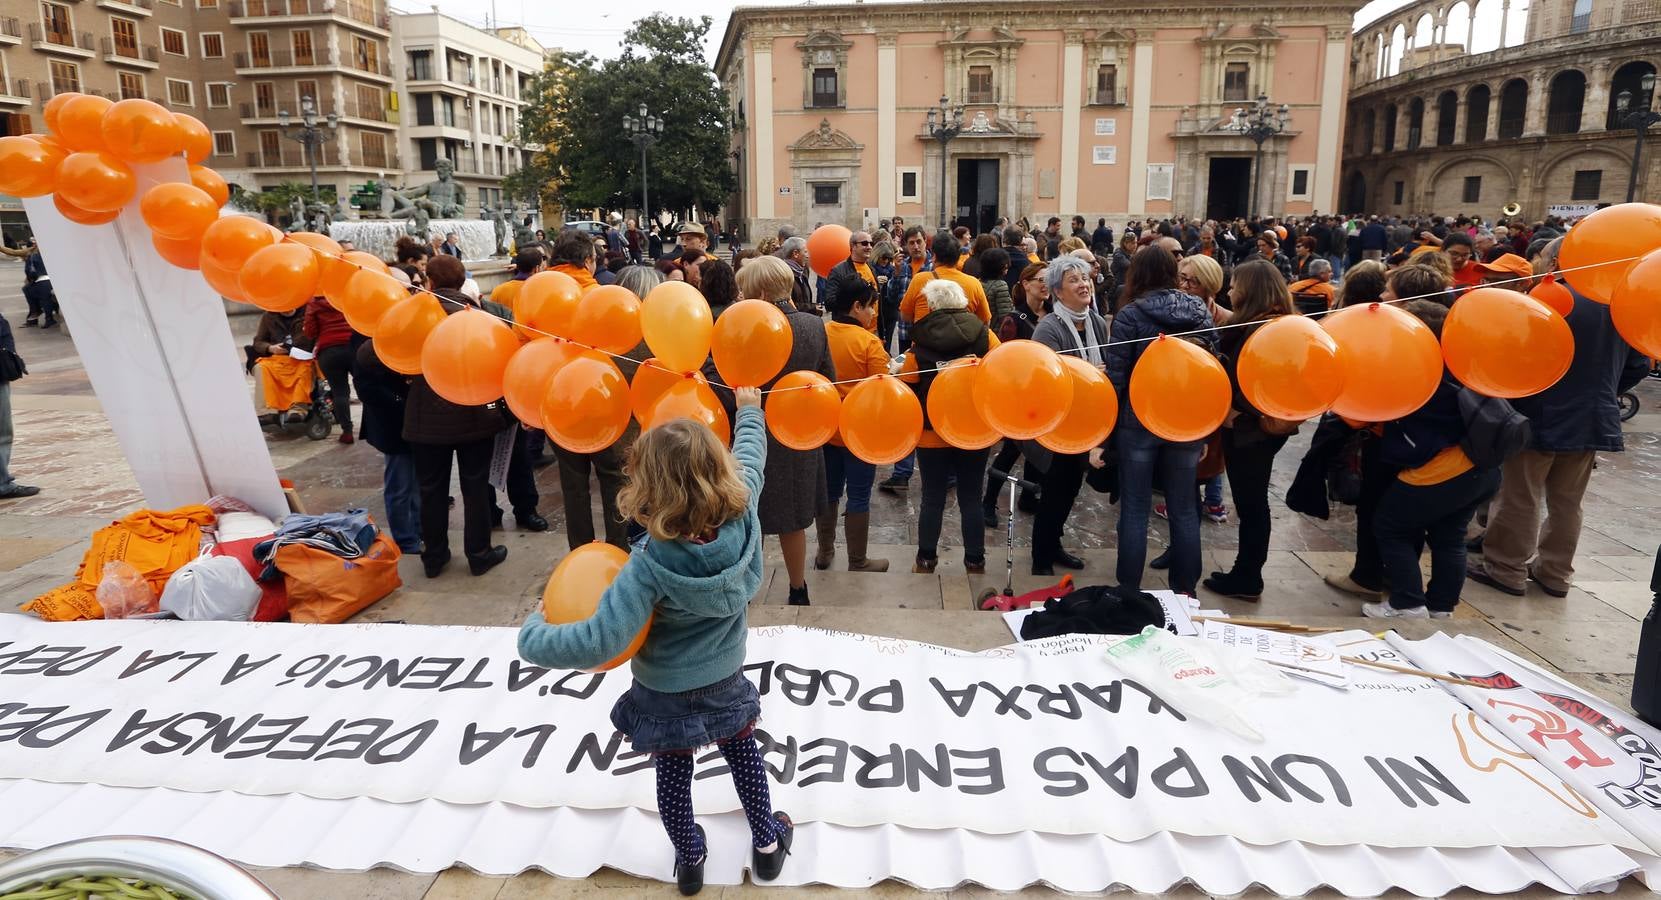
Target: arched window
1381, 58
1424, 32
1369, 125
1447, 113
1415, 122
1563, 103
1398, 46
1513, 108
1458, 28
1516, 24
1476, 114
1485, 27
1580, 21
1390, 116
1628, 78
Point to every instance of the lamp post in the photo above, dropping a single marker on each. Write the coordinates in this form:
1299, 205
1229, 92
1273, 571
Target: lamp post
309, 135
644, 130
1261, 122
1639, 119
947, 125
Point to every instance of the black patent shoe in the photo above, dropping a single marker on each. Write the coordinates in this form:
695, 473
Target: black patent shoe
690, 878
766, 866
487, 560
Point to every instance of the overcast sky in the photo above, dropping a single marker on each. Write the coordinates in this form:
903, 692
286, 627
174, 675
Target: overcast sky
597, 26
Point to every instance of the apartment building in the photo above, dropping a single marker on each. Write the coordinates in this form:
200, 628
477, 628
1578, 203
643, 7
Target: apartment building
460, 91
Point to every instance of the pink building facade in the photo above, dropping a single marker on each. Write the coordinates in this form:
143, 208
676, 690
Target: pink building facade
1118, 110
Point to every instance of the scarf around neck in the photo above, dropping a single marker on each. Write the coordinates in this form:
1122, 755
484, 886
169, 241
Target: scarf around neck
1089, 351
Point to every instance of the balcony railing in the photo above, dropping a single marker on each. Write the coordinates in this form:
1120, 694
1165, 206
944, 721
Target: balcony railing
20, 88
11, 27
69, 39
366, 13
374, 112
372, 66
115, 51
419, 73
1510, 127
1563, 123
131, 4
282, 59
257, 110
328, 156
1114, 96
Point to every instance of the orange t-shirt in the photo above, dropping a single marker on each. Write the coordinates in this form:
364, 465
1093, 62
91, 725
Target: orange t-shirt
1315, 286
913, 307
857, 353
584, 278
1450, 463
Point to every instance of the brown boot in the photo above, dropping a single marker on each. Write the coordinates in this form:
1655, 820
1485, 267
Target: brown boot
827, 539
858, 527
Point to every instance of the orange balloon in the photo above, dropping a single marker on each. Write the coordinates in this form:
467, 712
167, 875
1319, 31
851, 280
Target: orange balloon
465, 356
1022, 389
55, 106
324, 245
827, 246
507, 294
1636, 306
543, 303
1392, 362
403, 330
80, 122
881, 420
529, 372
1554, 294
337, 273
209, 180
691, 398
186, 254
229, 241
194, 138
607, 318
28, 168
803, 410
81, 216
1607, 241
586, 406
1092, 414
368, 297
1290, 369
142, 131
574, 590
650, 381
677, 325
96, 182
280, 278
226, 282
751, 343
1503, 343
952, 411
1179, 391
178, 211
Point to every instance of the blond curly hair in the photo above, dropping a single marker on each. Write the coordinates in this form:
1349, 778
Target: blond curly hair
682, 482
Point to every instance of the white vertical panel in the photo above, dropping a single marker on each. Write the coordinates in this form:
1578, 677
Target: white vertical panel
1072, 64
887, 86
1141, 91
765, 186
1332, 125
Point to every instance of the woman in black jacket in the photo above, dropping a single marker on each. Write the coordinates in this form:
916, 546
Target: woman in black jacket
438, 430
384, 393
1250, 441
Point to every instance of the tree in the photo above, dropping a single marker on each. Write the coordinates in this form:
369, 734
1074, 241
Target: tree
575, 111
274, 201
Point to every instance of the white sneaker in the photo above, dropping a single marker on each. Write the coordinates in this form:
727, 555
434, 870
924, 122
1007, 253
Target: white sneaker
1381, 609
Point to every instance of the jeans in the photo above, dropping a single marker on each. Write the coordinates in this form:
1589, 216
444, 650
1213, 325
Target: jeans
1249, 465
1410, 515
904, 468
403, 501
1213, 493
432, 473
336, 364
1337, 260
1142, 456
6, 433
843, 469
1060, 486
969, 466
607, 465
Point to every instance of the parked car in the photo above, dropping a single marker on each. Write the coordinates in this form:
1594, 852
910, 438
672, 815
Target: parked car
597, 229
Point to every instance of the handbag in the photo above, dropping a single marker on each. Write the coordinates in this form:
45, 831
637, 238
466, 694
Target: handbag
11, 366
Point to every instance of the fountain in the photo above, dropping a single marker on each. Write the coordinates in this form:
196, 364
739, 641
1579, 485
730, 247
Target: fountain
380, 236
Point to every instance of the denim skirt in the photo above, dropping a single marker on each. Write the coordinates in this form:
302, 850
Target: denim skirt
655, 722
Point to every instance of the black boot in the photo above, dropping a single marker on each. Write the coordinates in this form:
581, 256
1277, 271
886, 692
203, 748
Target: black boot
487, 560
690, 878
766, 866
1231, 585
1162, 561
798, 596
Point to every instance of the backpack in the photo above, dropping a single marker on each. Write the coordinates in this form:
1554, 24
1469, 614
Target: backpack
1494, 430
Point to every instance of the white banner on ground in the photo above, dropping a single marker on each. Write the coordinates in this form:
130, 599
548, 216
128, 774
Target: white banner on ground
1608, 756
858, 731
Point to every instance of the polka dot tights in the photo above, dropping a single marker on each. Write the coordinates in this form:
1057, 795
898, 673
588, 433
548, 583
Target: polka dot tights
674, 796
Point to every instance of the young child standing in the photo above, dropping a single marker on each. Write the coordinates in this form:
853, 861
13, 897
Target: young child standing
698, 570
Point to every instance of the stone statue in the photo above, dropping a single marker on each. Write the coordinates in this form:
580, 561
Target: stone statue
342, 210
499, 218
421, 218
317, 217
296, 213
448, 197
522, 234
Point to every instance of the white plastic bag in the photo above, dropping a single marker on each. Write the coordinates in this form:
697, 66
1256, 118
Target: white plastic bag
1204, 680
211, 587
123, 592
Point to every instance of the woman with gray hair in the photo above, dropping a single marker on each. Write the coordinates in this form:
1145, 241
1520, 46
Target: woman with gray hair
1076, 329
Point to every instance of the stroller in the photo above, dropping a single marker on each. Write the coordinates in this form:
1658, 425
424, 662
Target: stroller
319, 419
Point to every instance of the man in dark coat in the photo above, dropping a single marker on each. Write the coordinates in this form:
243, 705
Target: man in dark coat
1573, 420
384, 393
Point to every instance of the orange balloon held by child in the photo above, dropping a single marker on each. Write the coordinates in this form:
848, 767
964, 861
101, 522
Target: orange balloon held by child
677, 325
803, 410
750, 343
574, 589
691, 398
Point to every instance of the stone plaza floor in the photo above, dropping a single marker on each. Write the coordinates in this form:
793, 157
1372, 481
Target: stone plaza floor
64, 445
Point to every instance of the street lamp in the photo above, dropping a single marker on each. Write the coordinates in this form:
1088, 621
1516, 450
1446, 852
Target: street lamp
644, 130
1260, 123
1638, 119
309, 135
947, 125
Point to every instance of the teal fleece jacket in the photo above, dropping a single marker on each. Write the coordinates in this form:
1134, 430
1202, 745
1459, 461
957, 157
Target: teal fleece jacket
701, 593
